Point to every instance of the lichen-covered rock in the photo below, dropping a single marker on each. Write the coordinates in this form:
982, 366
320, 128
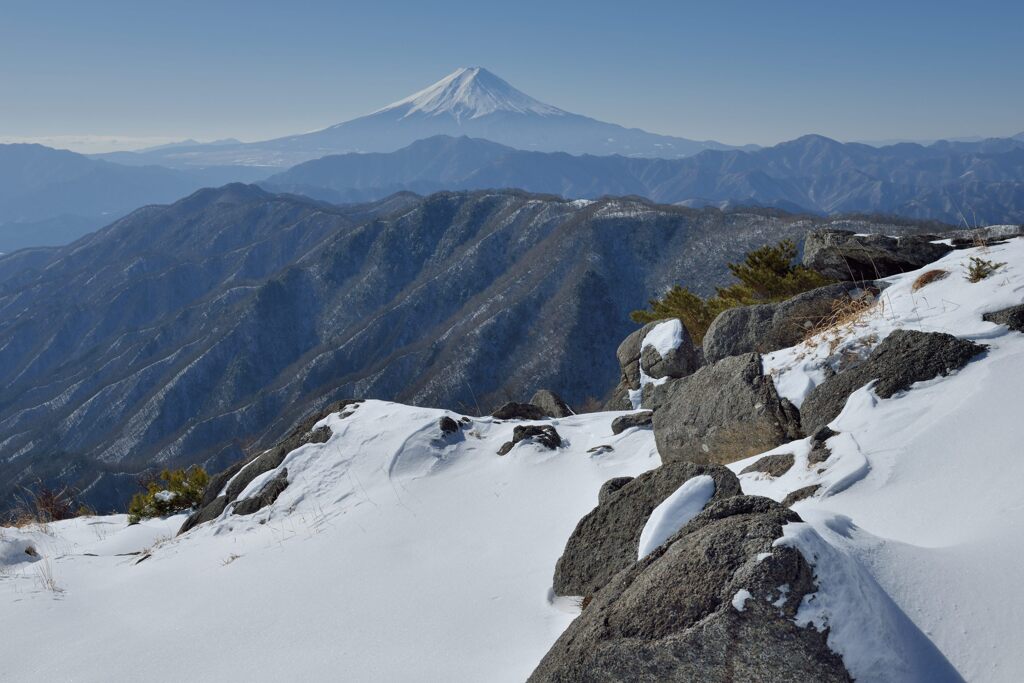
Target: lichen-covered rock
644, 418
681, 613
607, 539
544, 435
845, 255
1012, 317
519, 411
904, 357
551, 403
772, 326
800, 494
723, 412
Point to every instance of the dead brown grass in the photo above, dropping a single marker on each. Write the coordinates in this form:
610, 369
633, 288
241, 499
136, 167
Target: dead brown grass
928, 277
847, 313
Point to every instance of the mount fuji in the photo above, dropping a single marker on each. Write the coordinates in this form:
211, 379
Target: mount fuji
469, 101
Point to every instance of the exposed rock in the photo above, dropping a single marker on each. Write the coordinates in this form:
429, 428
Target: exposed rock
769, 327
603, 448
267, 495
447, 425
1012, 317
820, 452
544, 435
671, 616
519, 411
800, 494
551, 403
989, 235
607, 539
774, 465
633, 357
207, 512
723, 412
623, 422
904, 357
844, 255
611, 486
677, 362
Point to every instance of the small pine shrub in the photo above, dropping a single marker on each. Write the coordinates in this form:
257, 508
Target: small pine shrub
980, 268
180, 490
766, 275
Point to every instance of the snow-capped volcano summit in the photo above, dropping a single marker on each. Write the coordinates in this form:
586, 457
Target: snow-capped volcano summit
469, 93
470, 101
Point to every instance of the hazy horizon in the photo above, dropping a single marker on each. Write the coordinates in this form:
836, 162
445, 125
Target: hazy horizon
120, 76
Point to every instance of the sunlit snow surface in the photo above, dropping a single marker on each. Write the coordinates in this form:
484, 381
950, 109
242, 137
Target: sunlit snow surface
396, 554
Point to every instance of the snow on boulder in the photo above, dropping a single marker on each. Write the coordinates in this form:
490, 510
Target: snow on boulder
674, 512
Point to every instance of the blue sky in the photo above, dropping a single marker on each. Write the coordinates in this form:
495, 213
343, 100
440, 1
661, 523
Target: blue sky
732, 71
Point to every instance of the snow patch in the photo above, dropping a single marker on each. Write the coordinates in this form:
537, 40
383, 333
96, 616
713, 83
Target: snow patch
739, 600
675, 512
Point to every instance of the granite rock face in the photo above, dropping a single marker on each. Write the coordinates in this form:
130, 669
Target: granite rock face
607, 539
769, 327
845, 255
904, 357
680, 615
721, 413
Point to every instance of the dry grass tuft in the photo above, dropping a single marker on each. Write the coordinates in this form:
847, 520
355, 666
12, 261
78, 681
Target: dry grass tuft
847, 313
928, 277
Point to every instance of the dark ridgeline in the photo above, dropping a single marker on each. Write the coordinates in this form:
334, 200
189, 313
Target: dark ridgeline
188, 332
959, 182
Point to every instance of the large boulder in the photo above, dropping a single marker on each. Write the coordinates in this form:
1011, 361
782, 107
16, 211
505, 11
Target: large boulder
659, 349
845, 255
768, 327
607, 539
551, 403
717, 602
904, 357
721, 413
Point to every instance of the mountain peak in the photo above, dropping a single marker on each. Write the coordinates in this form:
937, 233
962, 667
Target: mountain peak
469, 93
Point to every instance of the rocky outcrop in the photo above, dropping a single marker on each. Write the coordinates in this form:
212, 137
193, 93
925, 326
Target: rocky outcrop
266, 496
447, 425
706, 606
768, 327
519, 411
543, 435
802, 493
1012, 317
607, 539
238, 476
774, 465
644, 418
724, 412
845, 255
638, 359
551, 403
904, 357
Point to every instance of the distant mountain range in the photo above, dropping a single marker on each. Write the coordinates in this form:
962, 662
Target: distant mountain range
52, 197
469, 101
959, 182
186, 333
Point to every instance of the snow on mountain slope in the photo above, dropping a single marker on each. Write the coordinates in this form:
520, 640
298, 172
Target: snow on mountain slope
468, 93
397, 553
923, 489
394, 554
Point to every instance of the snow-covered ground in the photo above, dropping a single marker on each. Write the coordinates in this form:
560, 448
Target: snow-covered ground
924, 489
396, 554
393, 555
